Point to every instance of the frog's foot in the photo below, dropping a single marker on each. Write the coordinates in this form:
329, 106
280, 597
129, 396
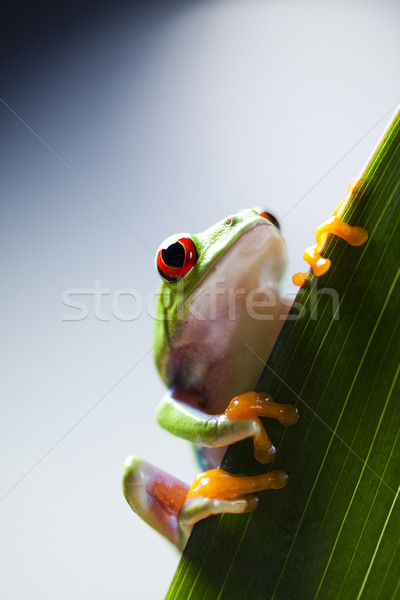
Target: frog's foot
353, 235
154, 495
252, 406
216, 491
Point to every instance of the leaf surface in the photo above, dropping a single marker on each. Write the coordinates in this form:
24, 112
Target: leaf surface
334, 531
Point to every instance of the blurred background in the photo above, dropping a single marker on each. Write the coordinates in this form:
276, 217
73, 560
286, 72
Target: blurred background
120, 125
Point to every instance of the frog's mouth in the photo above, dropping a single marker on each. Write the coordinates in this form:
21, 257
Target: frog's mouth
255, 261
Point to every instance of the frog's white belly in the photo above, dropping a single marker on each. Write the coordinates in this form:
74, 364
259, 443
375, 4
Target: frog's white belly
234, 319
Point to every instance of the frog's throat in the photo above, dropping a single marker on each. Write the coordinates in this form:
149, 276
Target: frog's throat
272, 229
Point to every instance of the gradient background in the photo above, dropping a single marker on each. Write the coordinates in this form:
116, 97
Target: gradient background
131, 123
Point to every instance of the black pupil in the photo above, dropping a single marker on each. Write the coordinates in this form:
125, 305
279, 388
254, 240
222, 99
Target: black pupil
273, 220
174, 255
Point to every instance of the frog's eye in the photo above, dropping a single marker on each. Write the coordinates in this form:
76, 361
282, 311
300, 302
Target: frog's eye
175, 258
269, 217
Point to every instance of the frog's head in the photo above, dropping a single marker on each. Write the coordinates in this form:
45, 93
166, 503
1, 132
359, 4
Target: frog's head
245, 250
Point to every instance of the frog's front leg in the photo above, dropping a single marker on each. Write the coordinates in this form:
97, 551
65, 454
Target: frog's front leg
172, 509
353, 235
240, 420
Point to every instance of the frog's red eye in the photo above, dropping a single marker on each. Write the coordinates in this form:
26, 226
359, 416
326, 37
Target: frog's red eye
175, 258
270, 218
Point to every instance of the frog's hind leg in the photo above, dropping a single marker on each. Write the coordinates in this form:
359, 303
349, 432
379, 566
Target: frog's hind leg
154, 495
172, 508
216, 491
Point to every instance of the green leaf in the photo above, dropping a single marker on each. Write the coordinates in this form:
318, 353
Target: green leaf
334, 531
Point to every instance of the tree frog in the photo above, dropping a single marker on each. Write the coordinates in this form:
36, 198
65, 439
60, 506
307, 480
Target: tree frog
218, 317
